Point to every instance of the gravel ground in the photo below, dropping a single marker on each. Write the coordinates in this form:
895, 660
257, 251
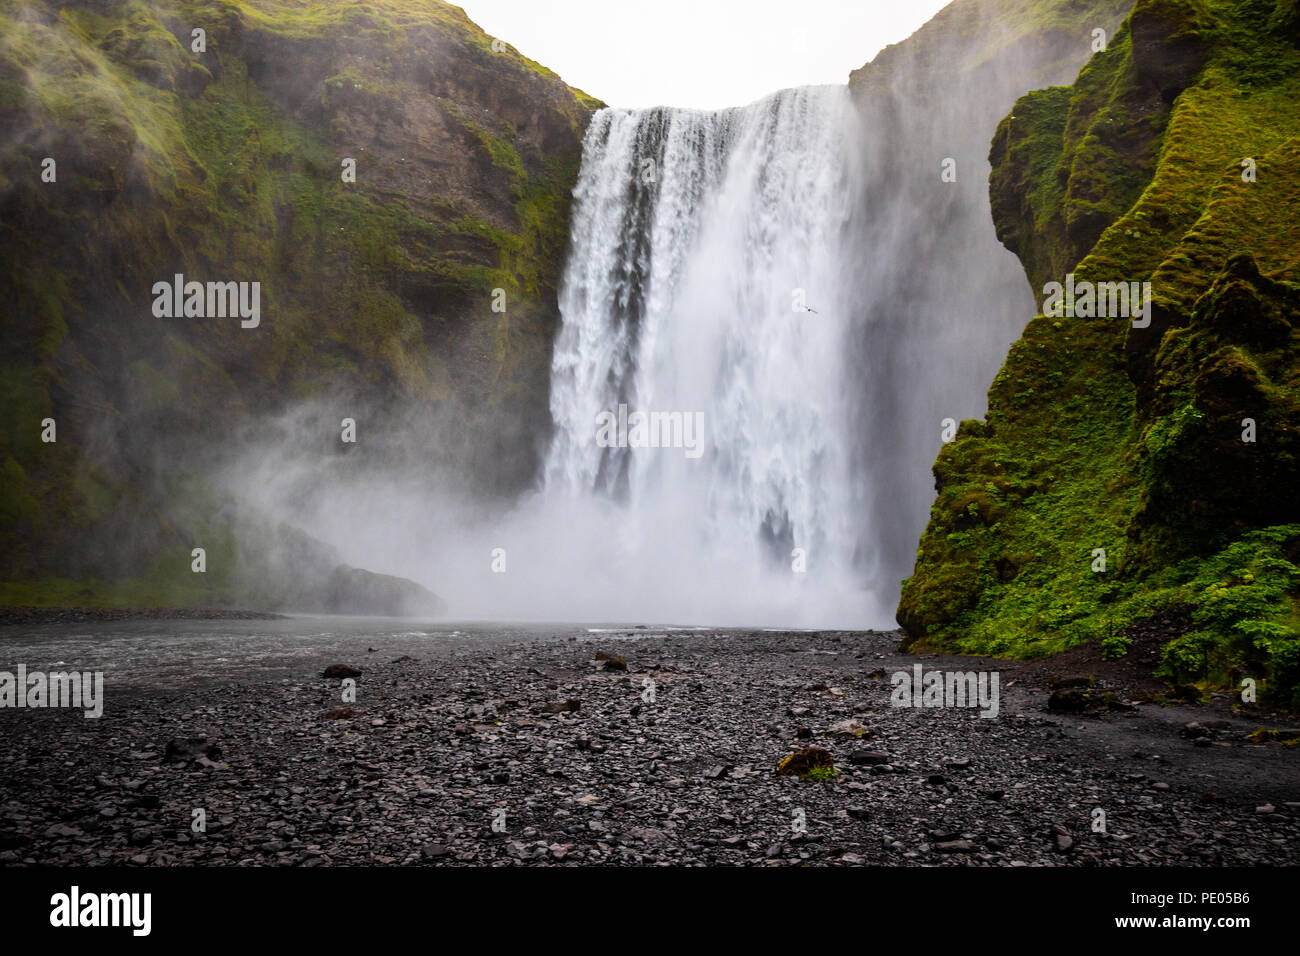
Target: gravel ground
473, 754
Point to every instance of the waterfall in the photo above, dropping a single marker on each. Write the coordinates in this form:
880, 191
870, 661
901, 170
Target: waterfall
794, 282
707, 282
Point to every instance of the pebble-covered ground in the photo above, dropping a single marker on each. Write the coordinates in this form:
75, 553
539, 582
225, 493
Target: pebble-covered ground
526, 750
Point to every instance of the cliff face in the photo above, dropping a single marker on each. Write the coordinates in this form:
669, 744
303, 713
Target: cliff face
1127, 473
941, 299
226, 161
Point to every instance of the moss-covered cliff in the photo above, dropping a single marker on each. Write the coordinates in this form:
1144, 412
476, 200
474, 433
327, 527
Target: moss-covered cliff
224, 160
1171, 160
929, 105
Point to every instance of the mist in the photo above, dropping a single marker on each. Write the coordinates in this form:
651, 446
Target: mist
815, 275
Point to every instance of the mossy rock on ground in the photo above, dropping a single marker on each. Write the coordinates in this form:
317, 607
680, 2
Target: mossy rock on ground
808, 762
1114, 478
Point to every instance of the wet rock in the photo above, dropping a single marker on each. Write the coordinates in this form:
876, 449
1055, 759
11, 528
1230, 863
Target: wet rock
1068, 700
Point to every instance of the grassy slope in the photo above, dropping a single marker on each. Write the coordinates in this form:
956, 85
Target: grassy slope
1099, 436
225, 164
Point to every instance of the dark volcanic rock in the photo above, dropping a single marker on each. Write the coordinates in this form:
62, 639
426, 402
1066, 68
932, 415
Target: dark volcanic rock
184, 750
450, 744
339, 672
611, 662
868, 757
560, 707
954, 846
340, 713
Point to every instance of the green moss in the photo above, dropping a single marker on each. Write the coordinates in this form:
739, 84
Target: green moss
226, 164
1099, 436
822, 774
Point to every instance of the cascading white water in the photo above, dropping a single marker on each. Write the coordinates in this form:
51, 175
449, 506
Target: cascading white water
697, 239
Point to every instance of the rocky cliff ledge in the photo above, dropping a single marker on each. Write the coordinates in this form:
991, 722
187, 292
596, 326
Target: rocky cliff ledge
1132, 479
379, 168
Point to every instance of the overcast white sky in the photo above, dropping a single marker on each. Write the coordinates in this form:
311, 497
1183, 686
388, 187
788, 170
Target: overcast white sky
698, 53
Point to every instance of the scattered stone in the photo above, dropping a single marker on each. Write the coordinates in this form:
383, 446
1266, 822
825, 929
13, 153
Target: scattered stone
611, 662
1064, 842
954, 846
1284, 735
868, 758
803, 762
560, 707
1065, 683
1068, 700
188, 749
610, 786
849, 728
340, 713
339, 672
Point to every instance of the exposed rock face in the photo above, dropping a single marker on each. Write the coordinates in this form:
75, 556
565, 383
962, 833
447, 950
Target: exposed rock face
1063, 173
1231, 360
1127, 469
229, 163
935, 99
